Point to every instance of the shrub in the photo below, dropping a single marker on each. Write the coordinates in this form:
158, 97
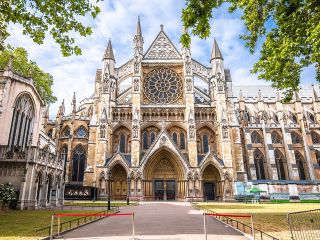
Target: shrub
7, 195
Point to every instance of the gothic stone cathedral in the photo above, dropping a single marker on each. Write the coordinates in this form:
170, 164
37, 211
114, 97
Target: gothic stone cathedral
167, 127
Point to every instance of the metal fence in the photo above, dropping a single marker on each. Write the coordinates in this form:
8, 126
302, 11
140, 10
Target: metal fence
305, 225
245, 228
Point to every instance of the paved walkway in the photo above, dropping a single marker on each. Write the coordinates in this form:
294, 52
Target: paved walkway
155, 221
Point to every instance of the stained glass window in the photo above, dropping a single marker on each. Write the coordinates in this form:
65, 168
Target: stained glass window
162, 85
66, 132
152, 137
175, 138
145, 140
182, 141
259, 164
315, 138
122, 143
275, 137
255, 137
280, 164
81, 132
205, 143
295, 138
300, 165
78, 164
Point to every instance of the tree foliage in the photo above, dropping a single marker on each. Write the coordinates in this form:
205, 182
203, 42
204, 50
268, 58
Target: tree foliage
7, 194
289, 31
18, 59
60, 18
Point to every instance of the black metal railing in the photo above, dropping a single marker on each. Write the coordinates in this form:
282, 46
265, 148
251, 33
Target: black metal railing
245, 228
305, 224
74, 223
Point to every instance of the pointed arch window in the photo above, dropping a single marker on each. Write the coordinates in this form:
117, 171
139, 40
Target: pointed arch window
145, 140
280, 165
122, 143
182, 141
294, 118
295, 138
255, 137
318, 157
315, 137
152, 137
21, 123
312, 118
66, 132
300, 165
275, 137
78, 164
205, 141
175, 138
259, 164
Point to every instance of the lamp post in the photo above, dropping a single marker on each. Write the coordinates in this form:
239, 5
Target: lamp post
109, 190
94, 191
128, 194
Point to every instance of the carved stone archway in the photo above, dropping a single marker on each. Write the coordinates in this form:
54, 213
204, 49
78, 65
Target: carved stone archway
164, 176
212, 183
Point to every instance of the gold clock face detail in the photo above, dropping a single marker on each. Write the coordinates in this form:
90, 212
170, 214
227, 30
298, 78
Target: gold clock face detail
162, 85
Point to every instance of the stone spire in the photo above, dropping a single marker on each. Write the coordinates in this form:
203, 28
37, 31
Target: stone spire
138, 39
215, 53
315, 94
138, 31
62, 108
74, 103
109, 52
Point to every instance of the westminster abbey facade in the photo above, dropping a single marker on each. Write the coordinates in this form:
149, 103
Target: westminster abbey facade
164, 126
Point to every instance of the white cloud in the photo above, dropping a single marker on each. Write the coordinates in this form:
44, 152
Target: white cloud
117, 20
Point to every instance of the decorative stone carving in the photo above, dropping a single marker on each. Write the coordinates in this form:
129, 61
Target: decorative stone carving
162, 48
163, 85
102, 131
189, 84
136, 84
163, 140
135, 131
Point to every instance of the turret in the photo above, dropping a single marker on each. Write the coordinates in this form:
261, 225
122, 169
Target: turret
217, 68
138, 39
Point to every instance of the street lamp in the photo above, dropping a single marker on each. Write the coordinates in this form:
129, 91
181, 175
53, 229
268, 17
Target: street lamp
94, 191
109, 190
128, 194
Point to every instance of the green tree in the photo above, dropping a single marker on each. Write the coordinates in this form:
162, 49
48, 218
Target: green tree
18, 60
289, 31
7, 194
60, 18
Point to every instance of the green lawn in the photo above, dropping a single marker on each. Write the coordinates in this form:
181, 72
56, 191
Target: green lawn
17, 225
270, 218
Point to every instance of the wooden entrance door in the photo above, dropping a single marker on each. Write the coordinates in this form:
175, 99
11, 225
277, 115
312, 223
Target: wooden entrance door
209, 191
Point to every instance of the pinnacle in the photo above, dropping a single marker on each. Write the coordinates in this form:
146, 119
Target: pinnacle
216, 53
138, 32
109, 52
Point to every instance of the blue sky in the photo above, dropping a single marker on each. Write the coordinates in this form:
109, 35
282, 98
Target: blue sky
117, 21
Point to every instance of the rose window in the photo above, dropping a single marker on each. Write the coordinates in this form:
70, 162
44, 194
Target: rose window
162, 85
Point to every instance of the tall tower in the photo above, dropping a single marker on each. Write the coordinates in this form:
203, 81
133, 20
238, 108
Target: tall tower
220, 92
136, 91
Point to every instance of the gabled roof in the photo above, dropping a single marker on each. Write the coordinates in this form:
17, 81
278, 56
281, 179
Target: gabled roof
162, 48
164, 141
